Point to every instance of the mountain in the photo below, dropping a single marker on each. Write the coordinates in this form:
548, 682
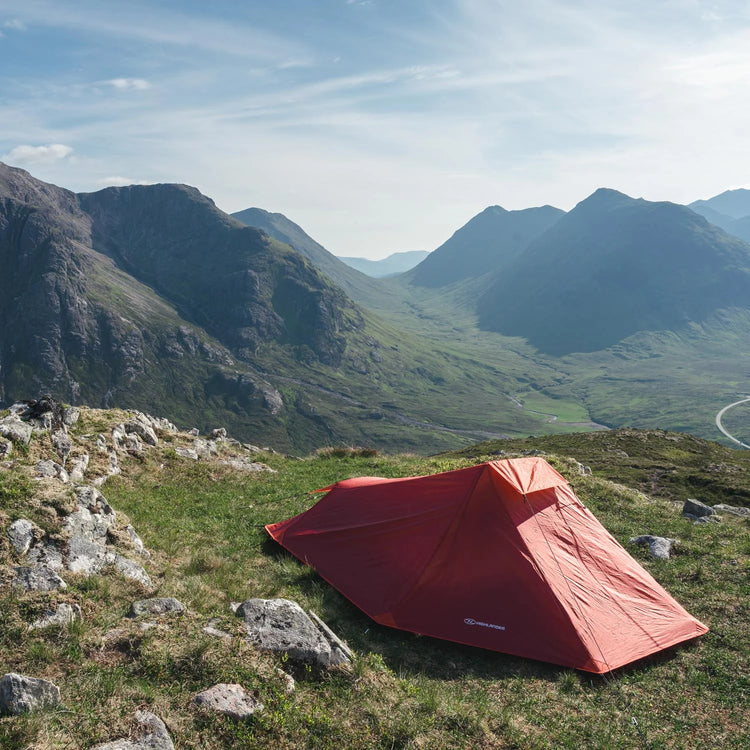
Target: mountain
487, 243
357, 285
392, 265
614, 266
732, 203
726, 211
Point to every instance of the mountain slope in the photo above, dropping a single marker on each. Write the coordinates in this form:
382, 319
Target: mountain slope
485, 244
732, 203
394, 264
614, 266
357, 285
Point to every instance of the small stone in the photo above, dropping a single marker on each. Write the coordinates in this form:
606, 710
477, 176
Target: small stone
134, 571
78, 467
140, 426
194, 432
101, 441
71, 415
659, 546
62, 443
732, 510
150, 734
6, 448
215, 632
37, 579
158, 606
697, 508
289, 684
230, 699
219, 433
133, 443
135, 540
48, 468
21, 535
20, 694
187, 453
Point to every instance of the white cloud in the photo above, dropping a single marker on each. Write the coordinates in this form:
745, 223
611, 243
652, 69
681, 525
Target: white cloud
14, 24
26, 154
138, 84
118, 181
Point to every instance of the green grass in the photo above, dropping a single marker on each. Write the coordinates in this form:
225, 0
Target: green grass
204, 526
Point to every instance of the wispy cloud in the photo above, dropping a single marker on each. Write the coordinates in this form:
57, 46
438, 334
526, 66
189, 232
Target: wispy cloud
26, 154
14, 24
118, 181
137, 84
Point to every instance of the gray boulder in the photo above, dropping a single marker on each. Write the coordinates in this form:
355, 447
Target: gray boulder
87, 557
20, 694
21, 535
6, 448
141, 426
150, 734
37, 579
696, 509
158, 606
15, 430
659, 546
63, 615
92, 526
230, 699
281, 626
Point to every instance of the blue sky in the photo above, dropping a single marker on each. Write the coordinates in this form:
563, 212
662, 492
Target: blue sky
380, 125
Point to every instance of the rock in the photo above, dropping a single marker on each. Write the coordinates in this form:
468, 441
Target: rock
136, 541
20, 694
37, 579
45, 554
133, 443
93, 500
62, 444
205, 448
658, 546
230, 699
118, 436
158, 606
101, 441
132, 570
71, 415
289, 684
281, 626
584, 470
62, 616
160, 423
219, 433
732, 510
45, 414
242, 463
91, 526
78, 468
6, 448
215, 632
15, 430
21, 535
187, 453
48, 468
697, 509
140, 426
87, 557
342, 652
150, 734
194, 432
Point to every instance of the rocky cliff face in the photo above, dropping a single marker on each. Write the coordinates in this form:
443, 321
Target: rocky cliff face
150, 296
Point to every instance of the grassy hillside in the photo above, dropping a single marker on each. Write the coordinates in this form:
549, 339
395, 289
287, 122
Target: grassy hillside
203, 523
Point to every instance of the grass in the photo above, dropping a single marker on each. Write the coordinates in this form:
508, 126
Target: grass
203, 524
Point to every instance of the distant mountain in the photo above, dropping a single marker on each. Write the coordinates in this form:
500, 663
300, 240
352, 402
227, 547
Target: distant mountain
356, 284
614, 266
732, 203
487, 243
392, 265
726, 211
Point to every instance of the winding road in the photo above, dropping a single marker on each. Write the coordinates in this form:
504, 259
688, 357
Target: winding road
721, 426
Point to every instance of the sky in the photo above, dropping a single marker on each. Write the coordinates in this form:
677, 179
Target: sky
380, 125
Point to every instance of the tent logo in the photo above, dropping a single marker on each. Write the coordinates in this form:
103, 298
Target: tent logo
472, 621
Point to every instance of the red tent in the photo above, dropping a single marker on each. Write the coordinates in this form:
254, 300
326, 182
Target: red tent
501, 555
